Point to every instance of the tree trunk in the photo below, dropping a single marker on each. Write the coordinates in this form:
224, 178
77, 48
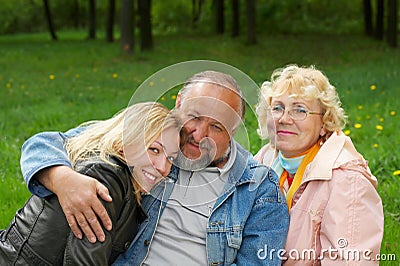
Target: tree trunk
392, 23
92, 19
110, 21
127, 26
219, 16
379, 19
251, 21
49, 20
75, 14
235, 18
367, 17
196, 11
146, 36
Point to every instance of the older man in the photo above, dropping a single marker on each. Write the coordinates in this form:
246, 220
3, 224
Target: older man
221, 207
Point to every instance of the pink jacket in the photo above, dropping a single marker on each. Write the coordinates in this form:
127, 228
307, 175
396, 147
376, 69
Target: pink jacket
337, 214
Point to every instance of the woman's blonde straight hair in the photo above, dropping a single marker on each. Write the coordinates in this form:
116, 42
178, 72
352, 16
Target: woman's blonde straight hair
138, 125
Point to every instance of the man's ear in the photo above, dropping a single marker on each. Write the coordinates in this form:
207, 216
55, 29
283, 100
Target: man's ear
178, 100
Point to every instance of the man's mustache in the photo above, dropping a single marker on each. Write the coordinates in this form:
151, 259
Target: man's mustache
205, 143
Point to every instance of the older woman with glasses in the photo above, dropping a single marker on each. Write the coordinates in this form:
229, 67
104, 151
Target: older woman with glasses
336, 214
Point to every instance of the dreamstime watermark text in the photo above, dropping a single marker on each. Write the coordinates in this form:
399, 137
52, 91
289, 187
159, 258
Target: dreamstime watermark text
341, 252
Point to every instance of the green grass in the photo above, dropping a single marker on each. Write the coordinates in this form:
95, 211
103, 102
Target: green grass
57, 85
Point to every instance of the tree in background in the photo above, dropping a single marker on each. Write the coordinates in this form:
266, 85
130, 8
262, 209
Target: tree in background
379, 19
392, 23
251, 21
127, 26
110, 21
92, 19
219, 9
196, 11
49, 20
146, 31
164, 17
235, 18
367, 10
75, 14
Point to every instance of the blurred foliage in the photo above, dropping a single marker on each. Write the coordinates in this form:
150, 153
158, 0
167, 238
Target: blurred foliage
171, 16
47, 85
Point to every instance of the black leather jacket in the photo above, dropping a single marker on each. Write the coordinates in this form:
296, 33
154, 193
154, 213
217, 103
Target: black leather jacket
39, 233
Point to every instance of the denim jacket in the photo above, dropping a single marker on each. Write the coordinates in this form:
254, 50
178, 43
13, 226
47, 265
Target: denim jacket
247, 226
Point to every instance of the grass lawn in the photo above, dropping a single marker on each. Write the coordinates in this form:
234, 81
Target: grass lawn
57, 85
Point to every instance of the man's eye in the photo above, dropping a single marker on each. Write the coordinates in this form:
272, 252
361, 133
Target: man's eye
193, 117
217, 127
154, 150
171, 158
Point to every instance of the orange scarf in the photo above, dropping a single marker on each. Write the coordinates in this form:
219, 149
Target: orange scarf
298, 177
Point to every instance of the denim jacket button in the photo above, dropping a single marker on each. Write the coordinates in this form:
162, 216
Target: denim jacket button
127, 244
146, 242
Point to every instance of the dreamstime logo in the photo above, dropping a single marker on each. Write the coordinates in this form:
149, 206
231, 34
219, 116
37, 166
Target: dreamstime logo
342, 252
342, 242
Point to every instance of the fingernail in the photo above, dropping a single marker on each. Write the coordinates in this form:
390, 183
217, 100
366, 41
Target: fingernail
92, 240
102, 238
79, 236
109, 227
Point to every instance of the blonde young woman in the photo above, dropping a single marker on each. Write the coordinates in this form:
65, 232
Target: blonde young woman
336, 215
143, 137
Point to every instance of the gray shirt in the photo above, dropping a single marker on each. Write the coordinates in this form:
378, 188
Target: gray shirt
180, 237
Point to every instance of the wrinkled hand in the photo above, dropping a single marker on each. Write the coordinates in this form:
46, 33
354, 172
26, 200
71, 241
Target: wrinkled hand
77, 195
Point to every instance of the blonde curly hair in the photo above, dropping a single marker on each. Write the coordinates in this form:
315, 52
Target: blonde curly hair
301, 82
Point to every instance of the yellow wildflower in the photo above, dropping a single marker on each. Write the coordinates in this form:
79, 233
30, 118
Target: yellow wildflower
8, 85
77, 76
360, 107
115, 75
347, 132
358, 125
163, 98
51, 77
372, 87
173, 97
151, 84
379, 127
397, 172
392, 113
376, 145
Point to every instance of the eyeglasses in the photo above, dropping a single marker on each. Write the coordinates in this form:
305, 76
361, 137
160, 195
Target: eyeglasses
296, 114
